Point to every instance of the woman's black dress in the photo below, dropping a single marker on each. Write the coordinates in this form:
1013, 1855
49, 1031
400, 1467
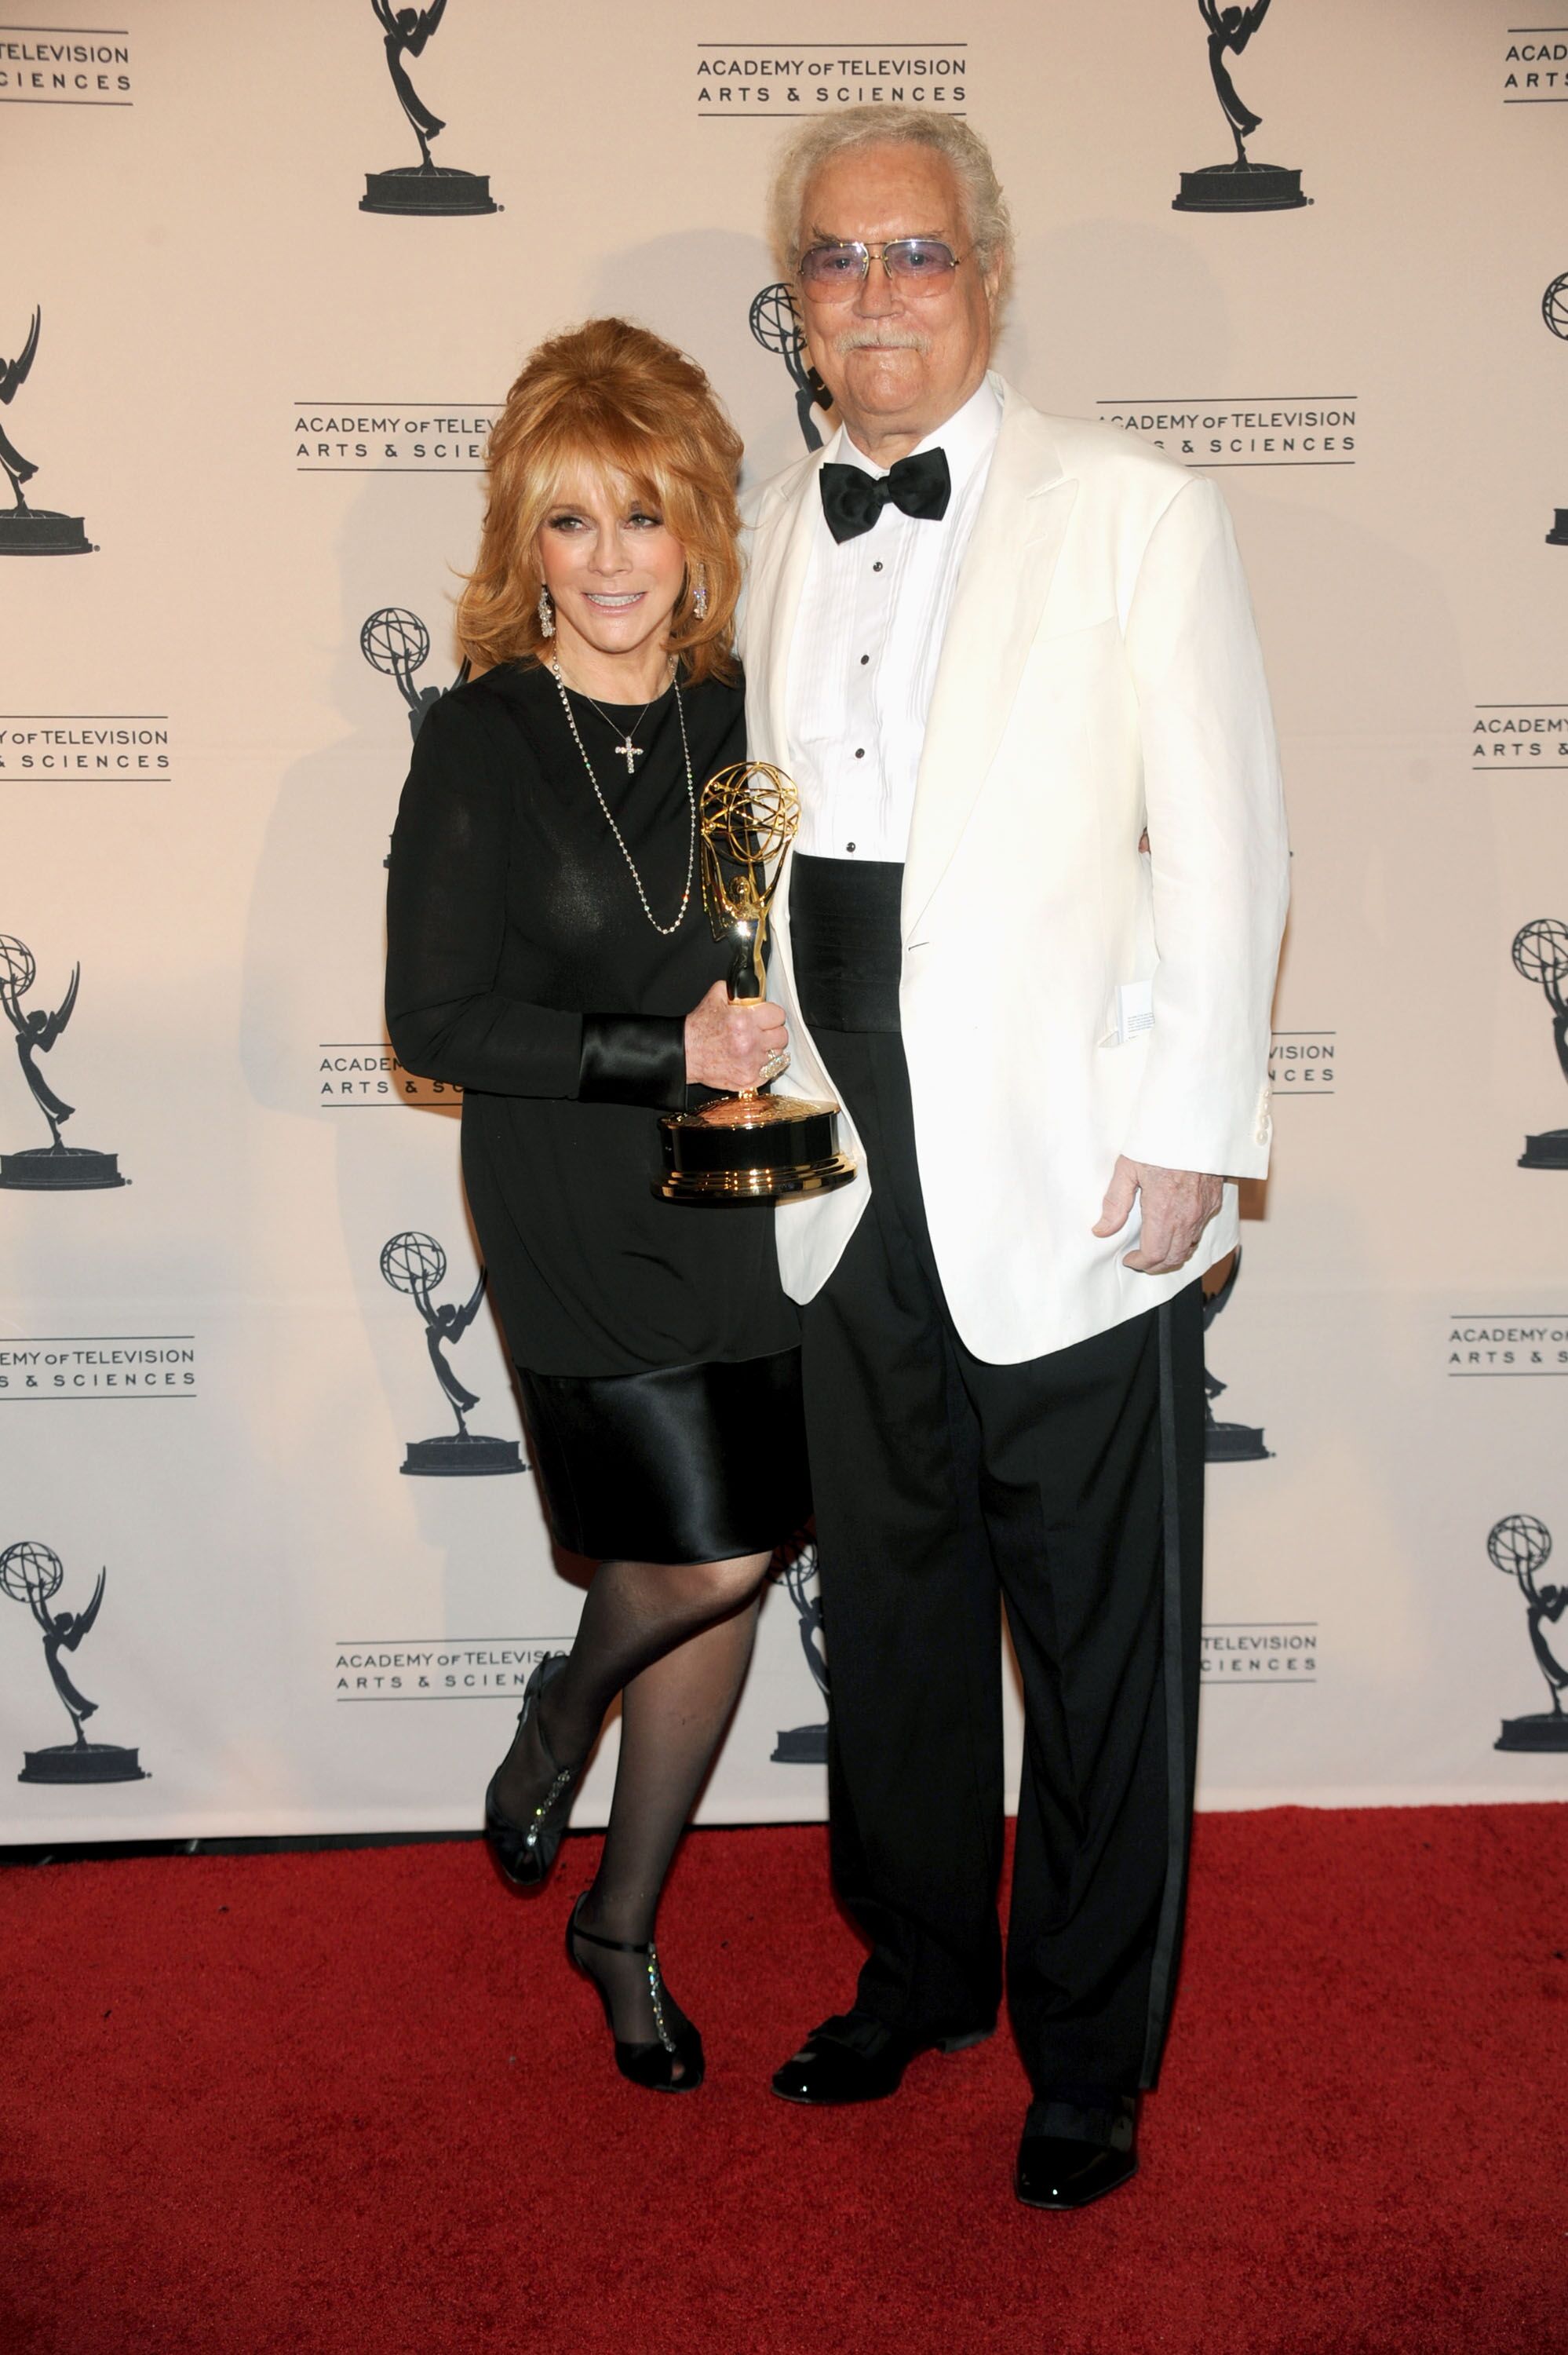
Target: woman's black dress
656, 1354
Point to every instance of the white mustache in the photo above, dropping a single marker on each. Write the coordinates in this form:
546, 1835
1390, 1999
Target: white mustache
880, 339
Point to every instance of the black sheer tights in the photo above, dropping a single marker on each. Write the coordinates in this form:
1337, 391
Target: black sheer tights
673, 1641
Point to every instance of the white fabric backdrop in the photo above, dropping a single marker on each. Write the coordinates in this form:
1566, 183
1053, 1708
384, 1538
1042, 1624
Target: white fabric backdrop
268, 406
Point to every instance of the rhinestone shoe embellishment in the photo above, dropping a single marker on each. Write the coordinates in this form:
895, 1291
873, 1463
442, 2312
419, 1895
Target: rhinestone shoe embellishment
561, 1783
656, 1992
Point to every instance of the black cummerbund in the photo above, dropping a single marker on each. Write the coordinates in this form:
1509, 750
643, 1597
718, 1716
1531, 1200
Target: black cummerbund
847, 940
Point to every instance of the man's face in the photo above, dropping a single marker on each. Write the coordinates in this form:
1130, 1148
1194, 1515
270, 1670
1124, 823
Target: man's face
898, 359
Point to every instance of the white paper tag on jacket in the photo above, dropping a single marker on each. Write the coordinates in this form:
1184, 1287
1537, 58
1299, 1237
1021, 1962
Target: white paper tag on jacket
1134, 1009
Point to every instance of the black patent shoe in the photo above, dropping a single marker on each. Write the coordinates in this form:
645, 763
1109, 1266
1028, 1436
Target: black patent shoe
853, 2058
1058, 2169
651, 2066
523, 1853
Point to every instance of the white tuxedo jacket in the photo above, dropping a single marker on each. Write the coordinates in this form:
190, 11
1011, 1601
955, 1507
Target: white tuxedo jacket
1100, 675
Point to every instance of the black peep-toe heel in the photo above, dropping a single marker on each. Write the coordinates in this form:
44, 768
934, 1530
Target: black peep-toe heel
523, 1853
648, 2065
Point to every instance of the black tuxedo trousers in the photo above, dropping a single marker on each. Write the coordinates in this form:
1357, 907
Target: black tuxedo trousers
1068, 1488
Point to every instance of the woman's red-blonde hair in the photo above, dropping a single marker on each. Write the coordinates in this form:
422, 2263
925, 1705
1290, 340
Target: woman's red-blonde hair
619, 401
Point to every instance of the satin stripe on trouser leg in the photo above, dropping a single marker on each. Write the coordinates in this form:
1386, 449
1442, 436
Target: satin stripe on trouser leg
938, 1479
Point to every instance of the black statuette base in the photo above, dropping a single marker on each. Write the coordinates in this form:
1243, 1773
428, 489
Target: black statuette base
803, 1745
467, 1454
1558, 534
82, 1762
1548, 1731
1234, 1443
435, 188
1548, 1151
1240, 188
61, 1169
40, 531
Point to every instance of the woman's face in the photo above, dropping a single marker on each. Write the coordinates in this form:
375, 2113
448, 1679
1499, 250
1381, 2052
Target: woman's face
611, 566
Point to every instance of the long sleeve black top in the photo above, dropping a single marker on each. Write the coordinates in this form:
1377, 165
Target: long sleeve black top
522, 967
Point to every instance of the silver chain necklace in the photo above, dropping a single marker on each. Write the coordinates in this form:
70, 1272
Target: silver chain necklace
664, 930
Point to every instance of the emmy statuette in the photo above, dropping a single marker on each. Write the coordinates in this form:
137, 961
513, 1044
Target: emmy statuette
1541, 955
415, 1263
1555, 311
32, 1573
1520, 1546
56, 1167
1243, 186
752, 1147
25, 530
425, 187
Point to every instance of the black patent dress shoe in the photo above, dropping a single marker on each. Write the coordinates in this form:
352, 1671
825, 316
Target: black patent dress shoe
853, 2058
1071, 2154
523, 1853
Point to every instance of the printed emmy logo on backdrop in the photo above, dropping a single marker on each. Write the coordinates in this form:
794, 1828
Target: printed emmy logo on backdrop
1520, 1546
795, 1570
425, 187
1517, 736
45, 71
56, 1167
1242, 186
1226, 1442
396, 641
364, 1074
761, 81
32, 1573
1555, 311
1541, 955
775, 324
31, 531
414, 1263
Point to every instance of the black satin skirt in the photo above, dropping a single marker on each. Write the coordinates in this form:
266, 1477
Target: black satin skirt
687, 1464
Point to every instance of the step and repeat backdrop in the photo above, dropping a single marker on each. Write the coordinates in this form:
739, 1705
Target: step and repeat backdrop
266, 276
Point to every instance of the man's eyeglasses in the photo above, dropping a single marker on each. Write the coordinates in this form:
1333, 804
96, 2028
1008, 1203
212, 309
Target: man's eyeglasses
912, 262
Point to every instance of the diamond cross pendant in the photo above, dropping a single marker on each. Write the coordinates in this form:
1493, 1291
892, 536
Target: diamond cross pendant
631, 753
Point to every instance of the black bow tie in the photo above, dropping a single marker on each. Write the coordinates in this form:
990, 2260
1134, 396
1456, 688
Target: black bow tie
853, 499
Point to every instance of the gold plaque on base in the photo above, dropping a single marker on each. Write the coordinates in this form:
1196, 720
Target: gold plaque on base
750, 1147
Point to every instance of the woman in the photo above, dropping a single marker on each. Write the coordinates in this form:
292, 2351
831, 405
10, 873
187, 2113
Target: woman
549, 953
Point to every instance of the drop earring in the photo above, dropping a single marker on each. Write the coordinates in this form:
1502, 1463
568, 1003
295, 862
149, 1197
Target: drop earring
700, 598
546, 614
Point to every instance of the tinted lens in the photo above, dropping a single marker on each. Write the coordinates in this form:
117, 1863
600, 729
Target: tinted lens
830, 266
914, 257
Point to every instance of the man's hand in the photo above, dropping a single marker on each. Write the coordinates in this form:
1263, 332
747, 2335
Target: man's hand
1177, 1206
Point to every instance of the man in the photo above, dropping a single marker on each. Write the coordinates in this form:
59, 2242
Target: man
1028, 937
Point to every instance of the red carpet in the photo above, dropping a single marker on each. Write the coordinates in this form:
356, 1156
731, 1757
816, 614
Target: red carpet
351, 2103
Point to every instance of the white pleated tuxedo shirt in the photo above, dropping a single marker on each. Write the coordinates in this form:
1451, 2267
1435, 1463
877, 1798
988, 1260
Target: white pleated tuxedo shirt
867, 639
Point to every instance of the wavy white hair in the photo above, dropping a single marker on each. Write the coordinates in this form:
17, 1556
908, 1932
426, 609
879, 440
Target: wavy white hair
988, 220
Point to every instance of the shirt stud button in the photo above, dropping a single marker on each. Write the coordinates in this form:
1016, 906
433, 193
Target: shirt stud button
864, 660
848, 845
860, 751
877, 566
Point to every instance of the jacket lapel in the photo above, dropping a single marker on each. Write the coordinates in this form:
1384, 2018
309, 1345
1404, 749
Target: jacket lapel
1001, 589
783, 554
